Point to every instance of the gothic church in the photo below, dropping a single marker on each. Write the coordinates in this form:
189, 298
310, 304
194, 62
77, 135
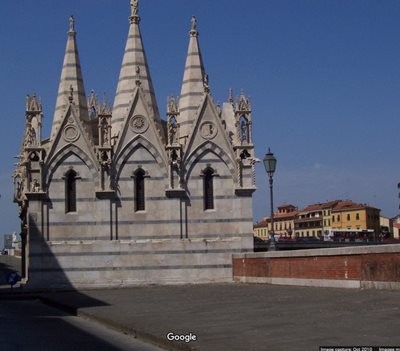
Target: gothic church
118, 196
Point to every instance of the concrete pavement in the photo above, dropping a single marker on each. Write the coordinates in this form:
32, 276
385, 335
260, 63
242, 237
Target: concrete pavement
29, 325
244, 316
236, 316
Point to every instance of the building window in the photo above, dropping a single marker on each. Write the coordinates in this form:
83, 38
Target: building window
70, 192
348, 216
333, 219
338, 218
139, 190
208, 189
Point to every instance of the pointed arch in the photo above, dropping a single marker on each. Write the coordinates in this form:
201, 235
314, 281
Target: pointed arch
131, 147
203, 149
66, 152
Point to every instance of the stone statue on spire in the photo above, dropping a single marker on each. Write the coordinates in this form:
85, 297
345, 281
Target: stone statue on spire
194, 23
134, 7
71, 24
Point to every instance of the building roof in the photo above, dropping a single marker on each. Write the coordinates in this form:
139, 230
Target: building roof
330, 204
287, 215
261, 224
284, 206
350, 205
321, 206
193, 83
71, 83
312, 208
134, 71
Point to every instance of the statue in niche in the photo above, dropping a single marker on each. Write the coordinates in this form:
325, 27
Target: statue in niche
19, 188
35, 187
30, 139
243, 131
105, 136
172, 133
244, 155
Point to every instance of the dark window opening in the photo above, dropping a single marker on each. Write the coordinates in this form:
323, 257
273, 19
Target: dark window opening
139, 191
70, 192
208, 189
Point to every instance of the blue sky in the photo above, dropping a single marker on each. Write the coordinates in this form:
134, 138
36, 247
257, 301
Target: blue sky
323, 77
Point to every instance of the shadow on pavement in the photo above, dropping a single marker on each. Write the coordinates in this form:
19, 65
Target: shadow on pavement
30, 325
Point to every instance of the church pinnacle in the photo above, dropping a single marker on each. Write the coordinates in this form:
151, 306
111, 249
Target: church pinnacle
194, 84
71, 77
134, 72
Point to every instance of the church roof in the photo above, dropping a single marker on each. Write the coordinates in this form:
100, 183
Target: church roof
193, 84
71, 82
134, 72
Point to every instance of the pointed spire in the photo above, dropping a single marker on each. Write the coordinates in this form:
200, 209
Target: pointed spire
71, 87
134, 73
195, 82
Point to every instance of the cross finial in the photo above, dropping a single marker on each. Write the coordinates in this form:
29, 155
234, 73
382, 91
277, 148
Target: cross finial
71, 24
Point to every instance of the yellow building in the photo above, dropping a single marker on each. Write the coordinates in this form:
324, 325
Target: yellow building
327, 208
386, 226
396, 227
309, 222
347, 215
283, 223
260, 230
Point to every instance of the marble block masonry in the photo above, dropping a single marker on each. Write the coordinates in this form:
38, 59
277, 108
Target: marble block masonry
117, 196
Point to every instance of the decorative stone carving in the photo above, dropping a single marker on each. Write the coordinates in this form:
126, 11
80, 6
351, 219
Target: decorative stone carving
139, 124
71, 133
208, 130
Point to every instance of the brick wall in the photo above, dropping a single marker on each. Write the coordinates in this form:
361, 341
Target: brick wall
362, 267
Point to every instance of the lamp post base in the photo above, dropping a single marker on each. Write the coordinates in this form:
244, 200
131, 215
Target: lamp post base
272, 245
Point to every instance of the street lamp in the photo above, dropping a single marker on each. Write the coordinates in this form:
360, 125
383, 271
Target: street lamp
270, 166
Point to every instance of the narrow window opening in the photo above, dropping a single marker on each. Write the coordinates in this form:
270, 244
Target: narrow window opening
139, 190
70, 192
208, 189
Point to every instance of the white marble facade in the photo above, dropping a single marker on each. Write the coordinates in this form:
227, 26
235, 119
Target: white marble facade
118, 196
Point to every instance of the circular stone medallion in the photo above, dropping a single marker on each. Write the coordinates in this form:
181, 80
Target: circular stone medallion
70, 133
208, 130
139, 124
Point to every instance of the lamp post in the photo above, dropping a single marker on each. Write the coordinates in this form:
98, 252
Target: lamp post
270, 166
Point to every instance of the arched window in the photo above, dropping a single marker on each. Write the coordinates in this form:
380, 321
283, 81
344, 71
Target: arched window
70, 192
139, 190
208, 189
